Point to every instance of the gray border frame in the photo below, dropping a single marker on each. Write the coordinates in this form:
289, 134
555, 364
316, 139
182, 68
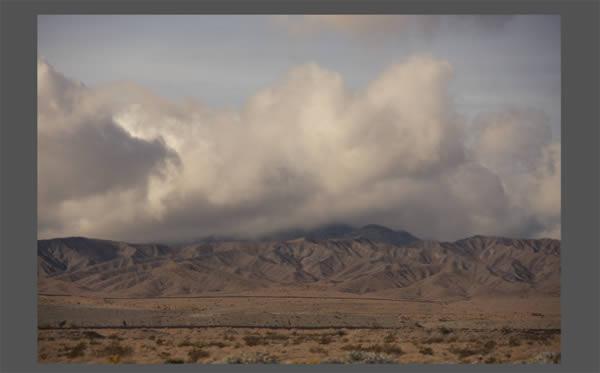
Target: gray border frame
580, 163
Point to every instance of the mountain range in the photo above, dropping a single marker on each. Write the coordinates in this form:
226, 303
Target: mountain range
373, 260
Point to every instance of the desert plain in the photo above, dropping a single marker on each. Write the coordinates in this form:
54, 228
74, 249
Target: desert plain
371, 297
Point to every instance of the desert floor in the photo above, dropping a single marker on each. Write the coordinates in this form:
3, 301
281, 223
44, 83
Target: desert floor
303, 328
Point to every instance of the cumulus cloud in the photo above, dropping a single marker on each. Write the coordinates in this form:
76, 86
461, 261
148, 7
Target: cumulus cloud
518, 146
118, 161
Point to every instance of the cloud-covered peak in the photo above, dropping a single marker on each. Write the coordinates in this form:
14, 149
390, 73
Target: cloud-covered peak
119, 161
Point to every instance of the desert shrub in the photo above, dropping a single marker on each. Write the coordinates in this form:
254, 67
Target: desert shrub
276, 336
185, 343
257, 358
196, 354
356, 356
351, 347
445, 330
174, 361
434, 339
93, 335
325, 340
43, 356
200, 345
115, 349
76, 351
490, 360
426, 351
489, 346
213, 344
160, 341
547, 358
341, 332
115, 337
369, 358
389, 338
540, 337
463, 352
234, 360
469, 350
254, 340
317, 350
514, 341
263, 358
332, 361
386, 348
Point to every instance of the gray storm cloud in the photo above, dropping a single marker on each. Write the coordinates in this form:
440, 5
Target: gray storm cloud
120, 162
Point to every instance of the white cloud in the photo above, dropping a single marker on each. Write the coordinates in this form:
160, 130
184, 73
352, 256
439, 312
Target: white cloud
118, 161
518, 146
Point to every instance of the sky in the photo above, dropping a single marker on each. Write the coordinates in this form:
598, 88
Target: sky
174, 127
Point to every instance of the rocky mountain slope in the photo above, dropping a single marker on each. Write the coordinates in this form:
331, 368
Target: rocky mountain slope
372, 260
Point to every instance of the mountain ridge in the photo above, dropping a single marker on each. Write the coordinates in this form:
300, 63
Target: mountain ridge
371, 259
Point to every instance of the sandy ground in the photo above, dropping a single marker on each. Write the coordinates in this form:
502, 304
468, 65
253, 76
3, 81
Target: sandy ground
302, 329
